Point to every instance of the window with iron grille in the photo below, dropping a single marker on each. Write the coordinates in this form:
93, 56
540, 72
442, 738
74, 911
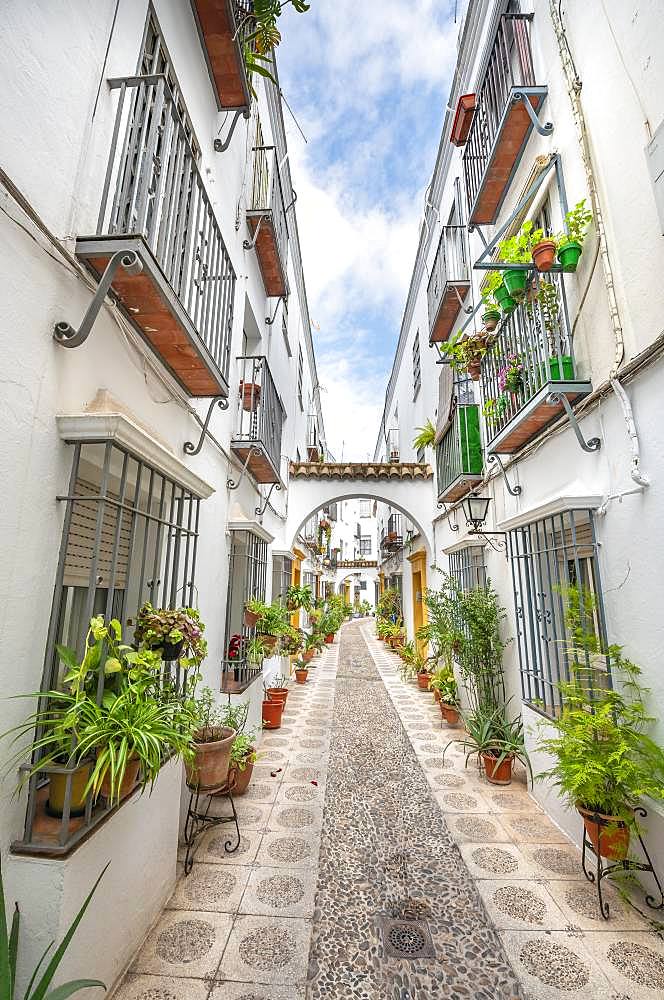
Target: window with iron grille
282, 577
417, 372
365, 508
548, 557
309, 580
247, 578
130, 535
467, 567
365, 545
300, 376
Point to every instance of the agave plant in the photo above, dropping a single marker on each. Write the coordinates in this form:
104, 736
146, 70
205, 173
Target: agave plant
38, 990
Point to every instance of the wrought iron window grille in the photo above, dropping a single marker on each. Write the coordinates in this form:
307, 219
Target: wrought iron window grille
247, 579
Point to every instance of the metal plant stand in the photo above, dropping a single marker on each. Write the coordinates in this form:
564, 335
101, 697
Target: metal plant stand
199, 820
603, 870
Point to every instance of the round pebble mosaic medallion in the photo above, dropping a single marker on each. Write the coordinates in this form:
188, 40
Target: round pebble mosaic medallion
273, 755
510, 801
457, 800
313, 732
207, 884
583, 900
301, 793
305, 774
268, 948
249, 814
185, 941
554, 964
556, 860
287, 849
638, 962
530, 826
310, 744
520, 904
280, 891
294, 818
259, 790
449, 780
475, 828
437, 762
495, 859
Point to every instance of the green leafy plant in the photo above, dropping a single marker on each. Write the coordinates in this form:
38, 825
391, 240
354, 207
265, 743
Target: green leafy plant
292, 642
442, 630
517, 249
490, 731
38, 989
264, 36
243, 751
577, 223
426, 436
157, 628
299, 597
465, 351
605, 761
255, 649
443, 681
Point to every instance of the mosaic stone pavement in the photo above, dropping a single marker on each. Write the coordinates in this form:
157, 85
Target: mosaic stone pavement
368, 871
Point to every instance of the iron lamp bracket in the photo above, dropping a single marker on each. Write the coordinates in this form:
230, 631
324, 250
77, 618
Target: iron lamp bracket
592, 444
492, 538
193, 449
64, 333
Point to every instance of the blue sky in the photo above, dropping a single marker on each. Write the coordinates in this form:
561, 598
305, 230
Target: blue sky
368, 81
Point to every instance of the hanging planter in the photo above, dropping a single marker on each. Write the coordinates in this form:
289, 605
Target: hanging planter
491, 319
270, 642
250, 618
544, 254
504, 299
463, 119
568, 256
475, 370
251, 395
515, 283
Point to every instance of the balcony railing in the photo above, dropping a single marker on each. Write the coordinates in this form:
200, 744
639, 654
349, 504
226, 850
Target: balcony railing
448, 284
224, 27
393, 445
392, 537
267, 221
313, 441
259, 421
529, 368
502, 121
155, 204
459, 454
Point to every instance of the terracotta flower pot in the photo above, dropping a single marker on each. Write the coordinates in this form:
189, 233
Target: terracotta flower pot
57, 787
250, 618
475, 370
498, 774
301, 676
463, 117
381, 638
251, 395
544, 254
308, 655
329, 639
423, 681
210, 766
242, 778
272, 712
609, 835
270, 642
128, 782
449, 712
278, 694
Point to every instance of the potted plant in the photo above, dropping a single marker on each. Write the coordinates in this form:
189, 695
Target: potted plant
465, 353
243, 758
250, 394
213, 742
174, 632
604, 759
544, 254
310, 643
277, 691
497, 742
444, 687
291, 642
517, 249
510, 376
301, 672
273, 709
425, 438
298, 597
570, 243
421, 664
272, 624
253, 611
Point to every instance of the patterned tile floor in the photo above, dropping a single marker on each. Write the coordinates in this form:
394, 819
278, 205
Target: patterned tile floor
367, 870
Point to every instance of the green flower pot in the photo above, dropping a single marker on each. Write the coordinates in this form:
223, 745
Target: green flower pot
504, 300
515, 283
554, 370
568, 256
491, 318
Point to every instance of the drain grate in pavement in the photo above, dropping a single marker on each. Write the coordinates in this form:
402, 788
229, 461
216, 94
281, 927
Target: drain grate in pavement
406, 939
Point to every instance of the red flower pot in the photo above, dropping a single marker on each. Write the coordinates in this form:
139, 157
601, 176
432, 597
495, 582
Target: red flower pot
450, 713
498, 774
329, 639
423, 681
544, 255
251, 395
272, 712
609, 835
301, 676
278, 694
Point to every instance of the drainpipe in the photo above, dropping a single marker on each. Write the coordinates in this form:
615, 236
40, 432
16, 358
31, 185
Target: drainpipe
574, 91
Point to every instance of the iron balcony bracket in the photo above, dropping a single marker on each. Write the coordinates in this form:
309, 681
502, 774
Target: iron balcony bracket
230, 483
513, 491
191, 449
491, 537
261, 510
467, 309
592, 444
543, 129
269, 320
221, 147
64, 333
250, 244
441, 505
288, 207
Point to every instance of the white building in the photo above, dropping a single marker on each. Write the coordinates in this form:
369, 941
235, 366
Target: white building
142, 444
566, 107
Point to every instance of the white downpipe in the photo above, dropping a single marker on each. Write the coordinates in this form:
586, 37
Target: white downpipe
574, 90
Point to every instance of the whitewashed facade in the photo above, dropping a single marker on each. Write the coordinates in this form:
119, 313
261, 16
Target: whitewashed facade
598, 76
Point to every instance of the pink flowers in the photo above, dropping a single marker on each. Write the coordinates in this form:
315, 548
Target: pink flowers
510, 376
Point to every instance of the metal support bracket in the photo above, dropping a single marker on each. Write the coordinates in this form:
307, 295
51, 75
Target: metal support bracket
191, 449
288, 207
221, 147
513, 491
467, 309
491, 536
230, 483
269, 320
592, 444
261, 510
441, 505
543, 129
250, 244
64, 333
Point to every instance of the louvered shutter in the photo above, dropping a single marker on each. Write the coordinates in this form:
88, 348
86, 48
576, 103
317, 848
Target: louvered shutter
81, 540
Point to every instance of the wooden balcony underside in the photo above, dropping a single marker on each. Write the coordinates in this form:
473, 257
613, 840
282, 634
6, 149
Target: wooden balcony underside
458, 488
453, 297
152, 307
537, 414
260, 465
267, 250
510, 140
223, 53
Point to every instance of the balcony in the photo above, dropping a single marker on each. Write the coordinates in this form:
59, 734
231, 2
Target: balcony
224, 27
179, 295
449, 283
313, 442
502, 121
392, 538
256, 440
267, 223
529, 368
459, 454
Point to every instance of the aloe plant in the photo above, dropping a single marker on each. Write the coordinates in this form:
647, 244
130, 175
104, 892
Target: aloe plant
39, 989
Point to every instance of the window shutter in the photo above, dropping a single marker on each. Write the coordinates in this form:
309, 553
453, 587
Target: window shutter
81, 540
